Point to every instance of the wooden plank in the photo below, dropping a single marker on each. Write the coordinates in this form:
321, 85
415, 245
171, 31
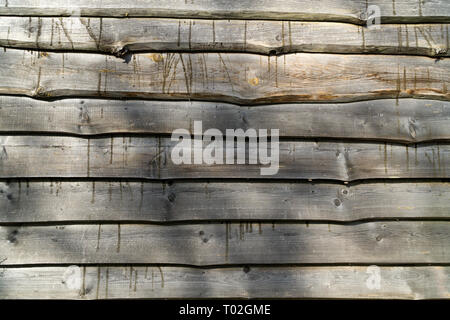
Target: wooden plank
405, 120
120, 36
353, 11
110, 282
69, 201
228, 77
405, 242
150, 157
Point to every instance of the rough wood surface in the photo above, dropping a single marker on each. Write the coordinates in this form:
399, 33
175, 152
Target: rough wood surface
119, 36
86, 230
353, 11
405, 120
228, 77
110, 282
150, 157
228, 243
66, 201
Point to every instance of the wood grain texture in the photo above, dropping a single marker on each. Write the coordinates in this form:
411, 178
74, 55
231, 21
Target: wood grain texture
352, 11
405, 120
233, 77
228, 243
150, 157
98, 226
66, 201
121, 36
131, 282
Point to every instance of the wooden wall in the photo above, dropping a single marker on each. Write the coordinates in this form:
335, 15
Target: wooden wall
91, 206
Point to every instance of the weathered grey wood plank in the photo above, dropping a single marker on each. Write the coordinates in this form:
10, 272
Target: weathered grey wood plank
120, 36
229, 77
228, 243
353, 11
66, 201
405, 120
150, 157
110, 282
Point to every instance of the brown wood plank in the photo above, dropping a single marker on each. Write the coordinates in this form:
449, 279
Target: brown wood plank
389, 242
111, 282
66, 201
353, 11
232, 77
405, 120
150, 157
120, 36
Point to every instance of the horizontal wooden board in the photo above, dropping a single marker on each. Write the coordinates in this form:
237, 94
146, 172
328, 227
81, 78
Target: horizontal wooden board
229, 77
405, 120
69, 201
228, 243
120, 36
353, 11
151, 157
110, 282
